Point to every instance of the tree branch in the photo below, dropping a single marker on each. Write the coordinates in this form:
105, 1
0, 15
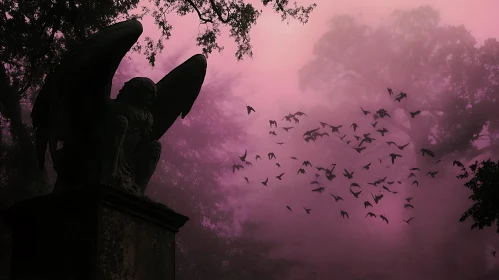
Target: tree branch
200, 15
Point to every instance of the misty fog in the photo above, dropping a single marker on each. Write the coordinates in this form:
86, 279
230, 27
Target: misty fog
437, 52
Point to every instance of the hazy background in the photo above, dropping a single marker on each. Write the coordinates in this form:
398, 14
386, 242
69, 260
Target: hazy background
253, 218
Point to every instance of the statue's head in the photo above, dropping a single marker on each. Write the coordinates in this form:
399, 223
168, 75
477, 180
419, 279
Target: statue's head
138, 91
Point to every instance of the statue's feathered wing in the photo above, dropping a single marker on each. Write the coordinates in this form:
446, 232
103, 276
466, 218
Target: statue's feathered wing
76, 94
176, 94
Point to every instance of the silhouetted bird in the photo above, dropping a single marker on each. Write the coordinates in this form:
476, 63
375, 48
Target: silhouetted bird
301, 170
410, 219
365, 112
411, 175
336, 197
257, 157
384, 218
287, 128
382, 131
458, 164
347, 174
279, 143
408, 199
366, 167
367, 204
344, 214
307, 210
355, 194
272, 122
314, 183
432, 174
359, 149
265, 182
294, 158
428, 152
236, 167
271, 155
280, 176
319, 190
309, 132
248, 163
273, 133
403, 146
289, 208
401, 96
386, 188
394, 156
306, 163
335, 128
355, 185
390, 92
408, 205
277, 164
247, 180
414, 169
288, 117
414, 114
243, 157
299, 114
371, 214
250, 109
354, 126
377, 198
494, 253
415, 182
374, 124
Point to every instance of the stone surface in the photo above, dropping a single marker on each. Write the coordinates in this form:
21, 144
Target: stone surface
93, 233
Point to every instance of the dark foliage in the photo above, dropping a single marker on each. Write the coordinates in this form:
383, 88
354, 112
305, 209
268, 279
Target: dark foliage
485, 197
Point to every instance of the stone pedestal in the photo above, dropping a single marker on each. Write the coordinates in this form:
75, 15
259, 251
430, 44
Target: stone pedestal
95, 233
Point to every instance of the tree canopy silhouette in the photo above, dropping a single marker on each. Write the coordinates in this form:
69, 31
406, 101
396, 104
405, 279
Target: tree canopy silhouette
450, 78
485, 197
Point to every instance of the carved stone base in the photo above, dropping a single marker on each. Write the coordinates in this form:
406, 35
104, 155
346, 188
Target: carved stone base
94, 233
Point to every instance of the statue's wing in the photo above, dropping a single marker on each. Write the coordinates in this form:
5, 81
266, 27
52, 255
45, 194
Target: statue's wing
176, 94
74, 95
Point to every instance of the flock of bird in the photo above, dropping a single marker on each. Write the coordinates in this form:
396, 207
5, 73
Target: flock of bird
359, 143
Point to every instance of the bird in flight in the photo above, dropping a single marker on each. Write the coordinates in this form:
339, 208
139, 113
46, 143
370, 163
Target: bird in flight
265, 182
336, 197
384, 218
250, 109
344, 214
348, 174
243, 157
415, 113
427, 152
371, 214
409, 220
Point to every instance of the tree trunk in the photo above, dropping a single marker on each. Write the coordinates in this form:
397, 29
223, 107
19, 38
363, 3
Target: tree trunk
27, 180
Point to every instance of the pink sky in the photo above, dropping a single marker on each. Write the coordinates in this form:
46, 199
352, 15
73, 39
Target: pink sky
270, 78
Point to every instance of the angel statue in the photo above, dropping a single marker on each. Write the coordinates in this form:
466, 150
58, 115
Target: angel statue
93, 139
